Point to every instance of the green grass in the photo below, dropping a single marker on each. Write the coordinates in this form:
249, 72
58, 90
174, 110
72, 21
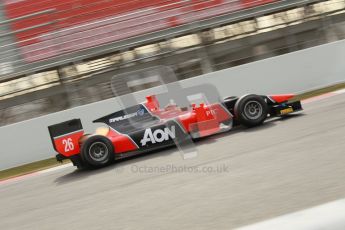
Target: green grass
318, 92
49, 163
29, 168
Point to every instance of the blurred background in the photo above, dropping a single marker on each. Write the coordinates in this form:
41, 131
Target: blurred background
55, 55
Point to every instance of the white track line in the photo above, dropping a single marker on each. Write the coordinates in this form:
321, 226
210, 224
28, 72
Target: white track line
326, 216
319, 98
55, 168
341, 91
324, 96
18, 178
33, 174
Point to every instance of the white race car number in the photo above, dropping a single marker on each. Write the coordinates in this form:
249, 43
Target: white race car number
68, 143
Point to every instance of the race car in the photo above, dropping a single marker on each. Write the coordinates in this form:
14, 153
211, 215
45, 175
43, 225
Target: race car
146, 126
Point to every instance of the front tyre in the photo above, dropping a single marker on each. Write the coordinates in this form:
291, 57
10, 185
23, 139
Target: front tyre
251, 110
97, 151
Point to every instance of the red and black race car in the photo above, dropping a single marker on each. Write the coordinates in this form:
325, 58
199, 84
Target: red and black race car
147, 126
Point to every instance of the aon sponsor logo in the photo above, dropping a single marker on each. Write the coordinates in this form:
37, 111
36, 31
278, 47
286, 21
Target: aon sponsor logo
158, 136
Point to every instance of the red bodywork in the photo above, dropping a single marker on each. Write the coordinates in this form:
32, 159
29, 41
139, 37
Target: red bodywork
69, 144
281, 97
202, 120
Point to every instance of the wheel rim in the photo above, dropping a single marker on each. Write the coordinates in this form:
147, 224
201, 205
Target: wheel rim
253, 110
98, 151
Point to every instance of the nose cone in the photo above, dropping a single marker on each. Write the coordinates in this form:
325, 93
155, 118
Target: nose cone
282, 97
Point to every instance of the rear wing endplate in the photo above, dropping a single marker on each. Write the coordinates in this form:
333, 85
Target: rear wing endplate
65, 137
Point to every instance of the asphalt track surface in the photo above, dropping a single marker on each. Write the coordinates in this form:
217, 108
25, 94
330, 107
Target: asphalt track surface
282, 167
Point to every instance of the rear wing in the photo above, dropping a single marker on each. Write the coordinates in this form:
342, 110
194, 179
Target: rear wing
65, 137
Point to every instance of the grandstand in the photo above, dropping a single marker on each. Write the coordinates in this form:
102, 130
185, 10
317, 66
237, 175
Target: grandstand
59, 54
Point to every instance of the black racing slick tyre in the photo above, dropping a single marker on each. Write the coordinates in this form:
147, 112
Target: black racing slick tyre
97, 151
251, 110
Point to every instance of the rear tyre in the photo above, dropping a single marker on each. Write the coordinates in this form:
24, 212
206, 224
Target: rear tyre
251, 110
97, 151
